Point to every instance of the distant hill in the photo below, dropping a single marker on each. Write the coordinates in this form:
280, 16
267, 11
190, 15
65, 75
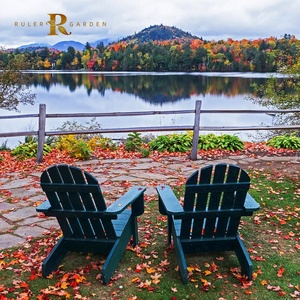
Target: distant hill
152, 33
33, 47
63, 46
104, 41
158, 33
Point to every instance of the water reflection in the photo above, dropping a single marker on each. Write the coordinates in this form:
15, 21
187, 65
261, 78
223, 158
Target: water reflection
155, 89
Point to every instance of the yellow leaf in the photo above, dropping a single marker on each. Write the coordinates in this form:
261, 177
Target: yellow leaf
64, 285
190, 269
150, 270
263, 282
207, 272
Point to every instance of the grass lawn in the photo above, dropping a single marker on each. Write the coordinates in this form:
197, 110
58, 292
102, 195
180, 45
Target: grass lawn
149, 271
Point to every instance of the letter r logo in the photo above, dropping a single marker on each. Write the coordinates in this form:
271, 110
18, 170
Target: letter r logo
53, 23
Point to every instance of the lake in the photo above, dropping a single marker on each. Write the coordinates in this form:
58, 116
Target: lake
73, 92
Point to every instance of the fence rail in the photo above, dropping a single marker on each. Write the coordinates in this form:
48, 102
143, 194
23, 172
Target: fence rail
43, 116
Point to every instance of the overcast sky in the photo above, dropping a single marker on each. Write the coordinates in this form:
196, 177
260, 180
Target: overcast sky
24, 21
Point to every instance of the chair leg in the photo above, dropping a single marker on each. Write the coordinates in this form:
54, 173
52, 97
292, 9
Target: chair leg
244, 259
55, 257
116, 253
181, 260
170, 222
135, 231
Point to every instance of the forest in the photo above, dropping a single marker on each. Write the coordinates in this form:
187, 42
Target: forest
183, 54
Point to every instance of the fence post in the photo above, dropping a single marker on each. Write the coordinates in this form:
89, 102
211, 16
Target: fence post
41, 132
193, 155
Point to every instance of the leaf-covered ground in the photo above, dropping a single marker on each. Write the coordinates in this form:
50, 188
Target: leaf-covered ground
149, 271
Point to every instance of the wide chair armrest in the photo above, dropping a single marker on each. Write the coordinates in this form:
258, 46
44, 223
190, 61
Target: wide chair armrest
44, 207
168, 202
134, 197
250, 205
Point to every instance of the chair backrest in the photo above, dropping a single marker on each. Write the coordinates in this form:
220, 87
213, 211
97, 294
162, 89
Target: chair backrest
214, 201
70, 189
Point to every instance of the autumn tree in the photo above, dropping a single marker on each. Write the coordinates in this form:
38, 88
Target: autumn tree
15, 84
282, 93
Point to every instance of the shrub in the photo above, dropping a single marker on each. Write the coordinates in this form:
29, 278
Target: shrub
77, 147
133, 142
81, 150
172, 143
29, 148
145, 152
285, 141
101, 142
207, 142
223, 141
230, 142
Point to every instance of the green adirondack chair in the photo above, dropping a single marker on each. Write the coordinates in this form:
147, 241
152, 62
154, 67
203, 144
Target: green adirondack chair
76, 200
208, 221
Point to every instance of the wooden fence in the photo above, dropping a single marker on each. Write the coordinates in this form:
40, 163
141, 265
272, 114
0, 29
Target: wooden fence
41, 133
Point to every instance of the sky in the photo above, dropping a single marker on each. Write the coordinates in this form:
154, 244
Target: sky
23, 22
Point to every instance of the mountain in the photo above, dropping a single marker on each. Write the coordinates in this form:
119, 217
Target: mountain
63, 46
158, 33
104, 41
152, 33
34, 46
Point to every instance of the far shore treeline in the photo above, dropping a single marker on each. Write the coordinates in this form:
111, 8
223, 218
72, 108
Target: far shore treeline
163, 48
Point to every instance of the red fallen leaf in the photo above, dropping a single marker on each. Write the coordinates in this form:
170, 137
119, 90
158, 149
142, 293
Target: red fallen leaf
213, 267
280, 272
258, 258
138, 268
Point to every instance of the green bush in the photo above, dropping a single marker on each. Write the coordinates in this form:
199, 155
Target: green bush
208, 142
223, 142
230, 142
133, 142
285, 141
80, 150
145, 152
172, 143
29, 148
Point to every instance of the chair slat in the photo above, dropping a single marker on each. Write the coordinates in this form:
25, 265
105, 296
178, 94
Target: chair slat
215, 200
229, 199
94, 226
201, 200
188, 205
